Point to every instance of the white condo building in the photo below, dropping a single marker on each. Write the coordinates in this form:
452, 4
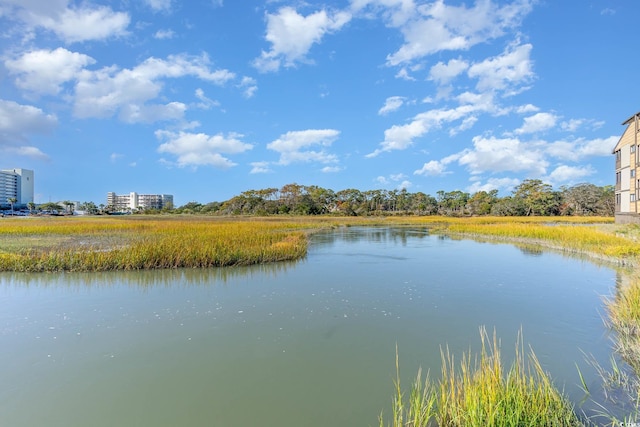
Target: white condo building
18, 184
139, 201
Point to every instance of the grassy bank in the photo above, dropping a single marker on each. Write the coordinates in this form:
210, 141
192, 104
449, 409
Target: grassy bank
594, 236
101, 244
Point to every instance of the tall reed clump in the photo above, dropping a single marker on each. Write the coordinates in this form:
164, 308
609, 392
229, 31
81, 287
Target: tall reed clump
418, 408
621, 382
623, 311
479, 392
131, 244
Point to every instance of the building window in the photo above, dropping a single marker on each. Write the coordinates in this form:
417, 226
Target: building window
633, 173
618, 199
633, 197
618, 155
633, 148
618, 177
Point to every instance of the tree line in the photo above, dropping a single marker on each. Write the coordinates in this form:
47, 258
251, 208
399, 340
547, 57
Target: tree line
531, 197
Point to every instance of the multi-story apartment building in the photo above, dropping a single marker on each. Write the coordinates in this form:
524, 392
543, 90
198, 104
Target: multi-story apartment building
627, 154
16, 184
134, 200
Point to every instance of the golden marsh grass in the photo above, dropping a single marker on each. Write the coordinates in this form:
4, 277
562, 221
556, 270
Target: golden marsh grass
595, 236
100, 244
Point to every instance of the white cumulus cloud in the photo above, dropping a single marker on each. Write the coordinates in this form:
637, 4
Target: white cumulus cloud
205, 102
509, 72
164, 34
580, 148
199, 149
260, 167
159, 5
17, 121
391, 104
538, 123
432, 168
435, 26
572, 125
249, 86
564, 174
76, 24
295, 146
127, 92
526, 109
292, 35
44, 71
490, 154
401, 137
331, 169
499, 184
443, 73
26, 151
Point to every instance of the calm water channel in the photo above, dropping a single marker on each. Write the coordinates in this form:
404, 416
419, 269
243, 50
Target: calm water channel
310, 343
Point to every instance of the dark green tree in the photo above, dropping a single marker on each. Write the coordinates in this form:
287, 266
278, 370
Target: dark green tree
452, 203
581, 199
423, 204
350, 202
607, 201
537, 198
481, 202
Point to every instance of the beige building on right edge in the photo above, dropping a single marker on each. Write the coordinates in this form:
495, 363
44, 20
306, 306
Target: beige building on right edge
627, 155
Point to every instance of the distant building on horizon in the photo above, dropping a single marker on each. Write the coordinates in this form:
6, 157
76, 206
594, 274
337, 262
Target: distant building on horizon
134, 200
18, 184
627, 190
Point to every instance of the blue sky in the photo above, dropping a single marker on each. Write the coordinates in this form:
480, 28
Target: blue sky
204, 99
